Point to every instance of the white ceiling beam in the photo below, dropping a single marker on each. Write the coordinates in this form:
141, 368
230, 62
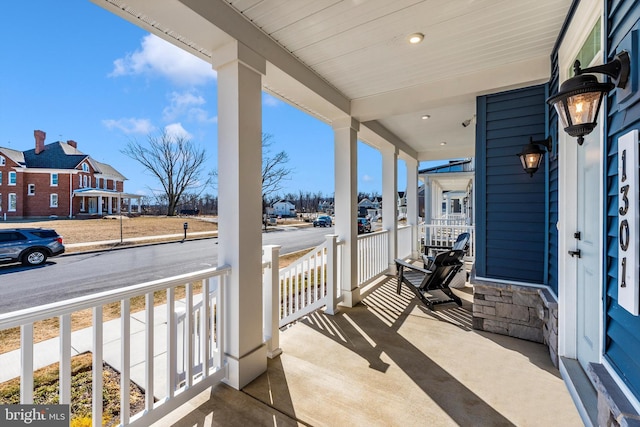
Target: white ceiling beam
231, 22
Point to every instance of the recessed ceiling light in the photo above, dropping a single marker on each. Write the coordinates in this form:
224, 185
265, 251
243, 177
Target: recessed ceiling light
416, 38
443, 143
426, 117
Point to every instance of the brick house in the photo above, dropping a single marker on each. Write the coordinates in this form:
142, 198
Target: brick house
58, 180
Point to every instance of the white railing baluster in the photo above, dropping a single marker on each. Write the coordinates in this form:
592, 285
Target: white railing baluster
125, 359
189, 329
26, 368
204, 328
148, 350
172, 340
96, 395
65, 359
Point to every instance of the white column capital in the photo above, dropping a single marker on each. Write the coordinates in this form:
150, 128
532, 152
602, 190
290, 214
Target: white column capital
238, 52
346, 122
389, 149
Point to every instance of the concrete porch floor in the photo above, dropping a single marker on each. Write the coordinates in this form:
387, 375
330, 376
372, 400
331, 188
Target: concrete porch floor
392, 362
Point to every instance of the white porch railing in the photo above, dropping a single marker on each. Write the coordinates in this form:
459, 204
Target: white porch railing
311, 282
373, 256
405, 236
201, 354
446, 235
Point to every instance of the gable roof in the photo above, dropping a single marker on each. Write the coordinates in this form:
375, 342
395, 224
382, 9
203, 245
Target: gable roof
16, 156
108, 170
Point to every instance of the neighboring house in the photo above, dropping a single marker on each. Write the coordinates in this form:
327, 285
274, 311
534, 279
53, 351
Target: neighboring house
326, 207
58, 180
446, 197
284, 208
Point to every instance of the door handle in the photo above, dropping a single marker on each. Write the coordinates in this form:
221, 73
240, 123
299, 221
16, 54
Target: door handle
575, 253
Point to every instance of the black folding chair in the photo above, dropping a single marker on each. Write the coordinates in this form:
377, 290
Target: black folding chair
431, 286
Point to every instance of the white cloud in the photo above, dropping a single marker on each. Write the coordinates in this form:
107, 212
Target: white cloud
175, 130
130, 125
187, 104
158, 57
367, 178
270, 101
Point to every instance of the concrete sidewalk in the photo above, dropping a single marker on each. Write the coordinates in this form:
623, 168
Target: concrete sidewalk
143, 239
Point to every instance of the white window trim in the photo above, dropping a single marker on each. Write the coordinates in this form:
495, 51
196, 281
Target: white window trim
29, 192
85, 167
51, 197
9, 202
14, 174
51, 179
2, 161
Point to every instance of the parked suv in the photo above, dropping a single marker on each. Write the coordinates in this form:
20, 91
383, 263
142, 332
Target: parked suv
30, 246
322, 221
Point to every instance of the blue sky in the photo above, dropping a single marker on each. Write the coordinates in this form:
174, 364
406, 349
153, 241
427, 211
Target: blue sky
80, 73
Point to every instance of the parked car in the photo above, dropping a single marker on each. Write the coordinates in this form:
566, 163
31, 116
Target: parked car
322, 221
364, 226
30, 246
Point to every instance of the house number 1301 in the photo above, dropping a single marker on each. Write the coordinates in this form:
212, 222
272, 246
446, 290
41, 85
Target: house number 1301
628, 293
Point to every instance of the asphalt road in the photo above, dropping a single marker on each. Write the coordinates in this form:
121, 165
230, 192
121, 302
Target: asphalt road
75, 275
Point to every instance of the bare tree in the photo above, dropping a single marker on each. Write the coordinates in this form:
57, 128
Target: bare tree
274, 169
174, 160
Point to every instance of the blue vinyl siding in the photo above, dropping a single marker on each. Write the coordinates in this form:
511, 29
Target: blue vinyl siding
622, 344
510, 205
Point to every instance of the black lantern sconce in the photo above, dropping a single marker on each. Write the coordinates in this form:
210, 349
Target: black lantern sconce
579, 98
532, 154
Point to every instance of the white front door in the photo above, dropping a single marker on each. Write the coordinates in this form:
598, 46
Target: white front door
587, 242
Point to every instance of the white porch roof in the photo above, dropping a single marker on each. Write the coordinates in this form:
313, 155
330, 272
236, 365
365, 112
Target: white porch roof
94, 192
338, 58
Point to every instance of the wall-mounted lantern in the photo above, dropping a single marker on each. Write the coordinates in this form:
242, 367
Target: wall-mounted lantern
579, 98
532, 154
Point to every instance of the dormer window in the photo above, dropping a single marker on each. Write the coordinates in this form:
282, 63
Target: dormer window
85, 167
2, 161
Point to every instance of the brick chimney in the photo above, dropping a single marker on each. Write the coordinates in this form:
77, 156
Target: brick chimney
40, 136
73, 144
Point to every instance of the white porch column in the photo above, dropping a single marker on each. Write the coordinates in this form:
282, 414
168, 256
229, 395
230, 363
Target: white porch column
240, 73
346, 204
389, 196
99, 205
139, 204
427, 200
129, 199
412, 204
110, 205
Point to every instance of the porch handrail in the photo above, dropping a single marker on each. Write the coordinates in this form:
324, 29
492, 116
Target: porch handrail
195, 379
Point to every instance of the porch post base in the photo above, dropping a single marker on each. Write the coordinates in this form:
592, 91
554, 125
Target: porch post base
351, 298
241, 372
392, 268
272, 354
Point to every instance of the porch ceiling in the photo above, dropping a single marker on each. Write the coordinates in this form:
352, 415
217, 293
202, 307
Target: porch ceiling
332, 57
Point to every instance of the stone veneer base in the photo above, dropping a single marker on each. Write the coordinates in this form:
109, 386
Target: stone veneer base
524, 312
